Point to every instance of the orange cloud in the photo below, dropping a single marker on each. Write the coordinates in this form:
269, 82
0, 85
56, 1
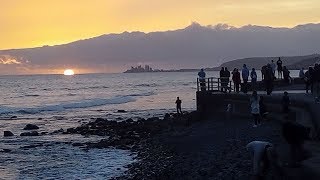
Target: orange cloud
9, 60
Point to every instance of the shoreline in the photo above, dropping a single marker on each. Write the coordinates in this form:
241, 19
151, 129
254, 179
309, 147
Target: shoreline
182, 146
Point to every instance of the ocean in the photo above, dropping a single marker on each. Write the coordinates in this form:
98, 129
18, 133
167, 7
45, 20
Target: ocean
56, 101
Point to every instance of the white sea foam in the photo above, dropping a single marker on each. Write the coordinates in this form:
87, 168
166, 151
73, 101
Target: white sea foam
87, 103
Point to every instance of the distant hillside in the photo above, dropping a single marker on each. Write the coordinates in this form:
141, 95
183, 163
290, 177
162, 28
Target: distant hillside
195, 46
305, 63
292, 62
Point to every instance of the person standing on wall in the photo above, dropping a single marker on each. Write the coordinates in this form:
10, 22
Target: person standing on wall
227, 75
253, 76
302, 74
222, 79
236, 79
286, 75
245, 77
279, 68
273, 67
202, 79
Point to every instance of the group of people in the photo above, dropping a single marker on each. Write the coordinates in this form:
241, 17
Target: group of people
312, 80
259, 109
283, 72
268, 73
268, 76
236, 78
265, 157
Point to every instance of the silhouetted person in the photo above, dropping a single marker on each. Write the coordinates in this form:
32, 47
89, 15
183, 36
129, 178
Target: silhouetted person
273, 67
253, 76
178, 103
263, 107
295, 134
279, 68
227, 75
302, 74
316, 81
268, 79
255, 108
286, 74
245, 77
202, 79
285, 102
263, 71
308, 79
222, 79
236, 79
265, 160
313, 79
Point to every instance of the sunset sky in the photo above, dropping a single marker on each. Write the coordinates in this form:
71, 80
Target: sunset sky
30, 23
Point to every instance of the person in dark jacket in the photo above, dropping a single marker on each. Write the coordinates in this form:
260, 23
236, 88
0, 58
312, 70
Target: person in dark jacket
227, 76
316, 81
268, 79
222, 79
202, 79
295, 134
279, 68
236, 79
253, 76
245, 76
263, 108
286, 74
285, 102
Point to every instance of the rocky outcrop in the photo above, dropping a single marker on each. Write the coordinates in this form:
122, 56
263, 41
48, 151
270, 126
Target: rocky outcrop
129, 134
7, 133
32, 133
30, 127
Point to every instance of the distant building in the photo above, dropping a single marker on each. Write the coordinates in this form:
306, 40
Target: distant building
139, 69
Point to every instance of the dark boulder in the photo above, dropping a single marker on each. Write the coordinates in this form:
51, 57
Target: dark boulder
32, 133
77, 144
6, 150
129, 120
166, 116
71, 130
7, 133
153, 119
121, 111
30, 127
44, 133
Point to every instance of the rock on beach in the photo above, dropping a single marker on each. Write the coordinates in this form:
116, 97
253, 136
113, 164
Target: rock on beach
7, 133
30, 127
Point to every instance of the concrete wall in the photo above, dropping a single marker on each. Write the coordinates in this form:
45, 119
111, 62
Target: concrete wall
302, 109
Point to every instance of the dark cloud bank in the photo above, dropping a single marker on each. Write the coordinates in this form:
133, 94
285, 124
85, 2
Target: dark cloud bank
192, 47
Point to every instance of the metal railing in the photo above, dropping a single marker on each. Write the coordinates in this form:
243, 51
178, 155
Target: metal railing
214, 84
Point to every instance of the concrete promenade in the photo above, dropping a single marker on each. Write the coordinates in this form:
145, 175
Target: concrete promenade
303, 108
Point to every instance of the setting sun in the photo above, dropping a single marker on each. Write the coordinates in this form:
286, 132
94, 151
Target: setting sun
68, 72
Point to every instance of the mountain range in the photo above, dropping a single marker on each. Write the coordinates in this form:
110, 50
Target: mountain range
195, 46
